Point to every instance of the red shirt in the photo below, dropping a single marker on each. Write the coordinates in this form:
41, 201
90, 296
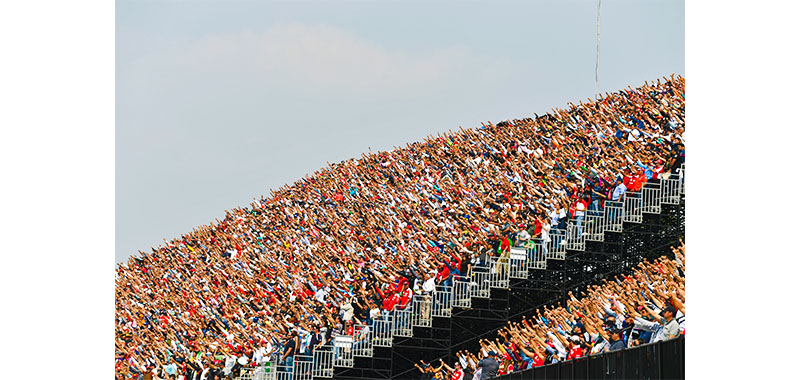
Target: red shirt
575, 352
388, 303
458, 375
538, 229
444, 272
405, 298
456, 260
505, 245
627, 181
537, 361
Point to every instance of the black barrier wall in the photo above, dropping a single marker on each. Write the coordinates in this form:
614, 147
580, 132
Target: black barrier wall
662, 360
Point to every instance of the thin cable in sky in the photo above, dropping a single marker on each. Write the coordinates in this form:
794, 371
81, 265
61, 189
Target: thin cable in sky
597, 56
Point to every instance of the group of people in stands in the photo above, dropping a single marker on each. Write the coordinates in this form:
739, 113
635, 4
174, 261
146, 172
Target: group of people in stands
358, 238
644, 307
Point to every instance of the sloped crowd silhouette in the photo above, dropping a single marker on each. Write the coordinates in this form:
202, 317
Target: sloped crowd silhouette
359, 238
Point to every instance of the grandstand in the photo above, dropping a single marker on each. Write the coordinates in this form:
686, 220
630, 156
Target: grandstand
448, 239
484, 299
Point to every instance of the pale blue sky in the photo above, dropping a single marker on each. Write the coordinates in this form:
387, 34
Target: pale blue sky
219, 101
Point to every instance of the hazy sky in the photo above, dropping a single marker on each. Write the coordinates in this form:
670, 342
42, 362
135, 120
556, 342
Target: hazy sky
219, 101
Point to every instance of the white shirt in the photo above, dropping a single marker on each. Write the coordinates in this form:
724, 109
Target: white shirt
374, 313
561, 350
429, 285
230, 361
348, 312
320, 295
259, 354
599, 347
546, 233
643, 324
579, 208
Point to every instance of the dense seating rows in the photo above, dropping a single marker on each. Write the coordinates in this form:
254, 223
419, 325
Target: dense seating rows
361, 237
645, 307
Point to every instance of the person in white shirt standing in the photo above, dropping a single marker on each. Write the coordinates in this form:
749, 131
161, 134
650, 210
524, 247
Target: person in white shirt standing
580, 213
428, 287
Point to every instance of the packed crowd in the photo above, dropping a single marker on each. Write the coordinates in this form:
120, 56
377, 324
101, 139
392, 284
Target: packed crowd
360, 237
629, 311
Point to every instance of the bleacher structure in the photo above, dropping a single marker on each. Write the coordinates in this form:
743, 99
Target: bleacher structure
606, 242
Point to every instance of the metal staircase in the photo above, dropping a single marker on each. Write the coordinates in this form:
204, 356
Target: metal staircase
495, 273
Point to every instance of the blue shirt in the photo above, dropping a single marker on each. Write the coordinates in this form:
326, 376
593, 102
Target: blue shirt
171, 369
619, 191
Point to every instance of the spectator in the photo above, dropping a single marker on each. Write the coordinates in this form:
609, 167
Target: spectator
639, 307
354, 228
488, 366
616, 341
580, 213
289, 348
671, 328
456, 372
347, 311
426, 370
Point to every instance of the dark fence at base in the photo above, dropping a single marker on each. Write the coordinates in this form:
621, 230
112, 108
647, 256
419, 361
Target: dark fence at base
662, 360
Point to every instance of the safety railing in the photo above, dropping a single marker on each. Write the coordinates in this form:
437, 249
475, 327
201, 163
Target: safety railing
537, 259
651, 198
362, 340
402, 323
421, 310
594, 225
576, 239
343, 351
495, 272
461, 292
284, 371
632, 210
382, 331
519, 262
556, 247
480, 282
671, 189
263, 372
442, 301
613, 214
682, 175
498, 274
303, 368
323, 361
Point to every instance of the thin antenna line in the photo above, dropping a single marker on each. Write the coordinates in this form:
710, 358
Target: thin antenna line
597, 59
